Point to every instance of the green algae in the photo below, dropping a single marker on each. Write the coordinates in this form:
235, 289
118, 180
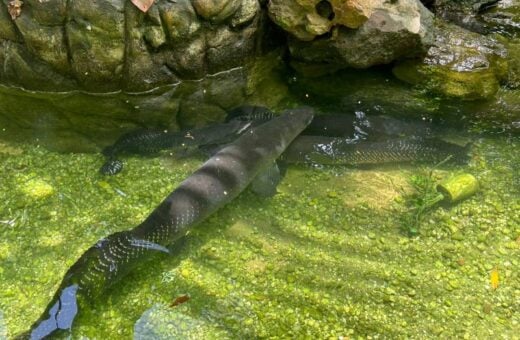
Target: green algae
323, 258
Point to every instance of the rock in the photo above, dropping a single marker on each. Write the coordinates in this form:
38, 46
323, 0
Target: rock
355, 33
37, 189
96, 41
247, 11
513, 75
7, 27
78, 121
501, 114
369, 92
461, 64
504, 18
162, 322
216, 10
464, 13
109, 45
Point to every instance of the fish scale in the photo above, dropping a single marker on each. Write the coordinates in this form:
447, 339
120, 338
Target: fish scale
340, 151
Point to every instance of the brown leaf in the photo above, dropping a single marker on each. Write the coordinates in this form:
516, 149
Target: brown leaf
143, 5
180, 299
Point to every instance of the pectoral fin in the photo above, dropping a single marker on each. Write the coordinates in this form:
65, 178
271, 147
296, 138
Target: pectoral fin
265, 183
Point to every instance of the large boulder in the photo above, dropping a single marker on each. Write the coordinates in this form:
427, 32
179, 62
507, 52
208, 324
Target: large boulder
109, 45
461, 64
353, 33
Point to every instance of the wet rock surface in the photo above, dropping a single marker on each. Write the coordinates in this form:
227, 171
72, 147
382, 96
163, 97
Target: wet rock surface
82, 121
460, 64
110, 45
356, 34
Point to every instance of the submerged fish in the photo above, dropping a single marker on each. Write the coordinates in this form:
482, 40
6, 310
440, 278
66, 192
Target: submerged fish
354, 128
218, 181
149, 141
336, 151
357, 126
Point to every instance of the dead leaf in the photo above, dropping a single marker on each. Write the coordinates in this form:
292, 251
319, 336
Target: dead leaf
15, 8
180, 299
143, 5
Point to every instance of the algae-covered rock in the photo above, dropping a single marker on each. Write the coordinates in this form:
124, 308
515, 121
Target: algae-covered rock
161, 322
504, 18
81, 121
37, 189
461, 64
367, 91
109, 45
513, 75
354, 33
500, 114
464, 13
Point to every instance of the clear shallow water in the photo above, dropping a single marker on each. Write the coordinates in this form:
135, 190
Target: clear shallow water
328, 256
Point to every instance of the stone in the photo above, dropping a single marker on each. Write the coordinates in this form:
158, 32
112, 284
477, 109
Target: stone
20, 68
216, 10
461, 64
7, 28
144, 69
109, 45
180, 20
299, 18
45, 42
513, 75
464, 13
96, 39
356, 34
248, 10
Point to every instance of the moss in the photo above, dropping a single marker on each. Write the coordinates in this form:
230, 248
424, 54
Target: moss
37, 189
323, 258
451, 83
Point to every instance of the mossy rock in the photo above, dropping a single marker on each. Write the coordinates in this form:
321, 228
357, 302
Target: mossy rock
461, 64
513, 76
37, 189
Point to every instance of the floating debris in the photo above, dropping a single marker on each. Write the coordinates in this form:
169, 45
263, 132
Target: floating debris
180, 300
494, 278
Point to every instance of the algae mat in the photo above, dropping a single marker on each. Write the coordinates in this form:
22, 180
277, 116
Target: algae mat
325, 258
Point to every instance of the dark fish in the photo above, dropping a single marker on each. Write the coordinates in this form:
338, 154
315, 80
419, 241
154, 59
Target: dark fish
218, 181
361, 127
147, 142
356, 126
331, 150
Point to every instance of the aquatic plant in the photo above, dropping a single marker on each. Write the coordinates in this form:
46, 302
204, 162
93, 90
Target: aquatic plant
422, 199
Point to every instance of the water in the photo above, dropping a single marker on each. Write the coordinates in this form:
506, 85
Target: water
328, 256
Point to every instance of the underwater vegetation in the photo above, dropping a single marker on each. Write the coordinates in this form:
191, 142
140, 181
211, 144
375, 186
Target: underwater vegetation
325, 257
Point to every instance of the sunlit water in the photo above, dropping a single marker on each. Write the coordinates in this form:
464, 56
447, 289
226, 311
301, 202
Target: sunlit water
329, 256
